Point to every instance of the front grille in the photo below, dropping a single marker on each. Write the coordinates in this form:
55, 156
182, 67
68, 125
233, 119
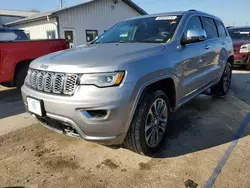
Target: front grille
51, 82
235, 49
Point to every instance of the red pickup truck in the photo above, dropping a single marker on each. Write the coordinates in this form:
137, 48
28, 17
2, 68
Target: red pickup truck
17, 51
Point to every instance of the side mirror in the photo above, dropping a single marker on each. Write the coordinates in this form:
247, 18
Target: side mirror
194, 35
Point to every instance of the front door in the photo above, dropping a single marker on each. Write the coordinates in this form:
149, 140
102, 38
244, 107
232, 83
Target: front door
69, 36
192, 65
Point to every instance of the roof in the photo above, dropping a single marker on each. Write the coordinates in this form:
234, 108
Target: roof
34, 17
16, 13
43, 15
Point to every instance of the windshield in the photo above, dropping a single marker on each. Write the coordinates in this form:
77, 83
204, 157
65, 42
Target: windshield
144, 30
240, 34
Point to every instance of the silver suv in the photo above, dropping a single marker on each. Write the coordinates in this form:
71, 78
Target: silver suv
123, 88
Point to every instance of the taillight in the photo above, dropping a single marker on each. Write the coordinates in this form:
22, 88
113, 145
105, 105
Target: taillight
66, 45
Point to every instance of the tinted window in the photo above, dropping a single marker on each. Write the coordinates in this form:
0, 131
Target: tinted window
240, 33
28, 34
21, 35
193, 23
210, 28
142, 30
221, 29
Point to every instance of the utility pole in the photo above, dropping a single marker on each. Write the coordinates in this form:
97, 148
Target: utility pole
61, 4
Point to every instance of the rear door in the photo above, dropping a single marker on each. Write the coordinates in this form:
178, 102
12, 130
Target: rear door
226, 45
209, 66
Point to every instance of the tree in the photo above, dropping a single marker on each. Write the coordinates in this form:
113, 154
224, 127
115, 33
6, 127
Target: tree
33, 10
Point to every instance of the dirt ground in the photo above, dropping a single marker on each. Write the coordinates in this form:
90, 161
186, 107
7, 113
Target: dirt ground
202, 148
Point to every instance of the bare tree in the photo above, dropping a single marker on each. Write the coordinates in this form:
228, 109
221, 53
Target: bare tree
33, 10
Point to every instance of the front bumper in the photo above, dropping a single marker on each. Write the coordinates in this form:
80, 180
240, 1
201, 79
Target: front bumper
241, 59
69, 112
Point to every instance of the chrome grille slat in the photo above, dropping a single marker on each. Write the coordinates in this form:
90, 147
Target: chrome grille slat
40, 82
70, 84
34, 78
28, 78
58, 83
51, 82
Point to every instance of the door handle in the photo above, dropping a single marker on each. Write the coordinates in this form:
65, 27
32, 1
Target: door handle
207, 47
223, 42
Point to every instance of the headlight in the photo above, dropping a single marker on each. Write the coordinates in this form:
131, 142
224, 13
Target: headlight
102, 79
245, 48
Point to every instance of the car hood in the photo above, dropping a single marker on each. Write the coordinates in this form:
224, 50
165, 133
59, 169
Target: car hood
238, 43
107, 57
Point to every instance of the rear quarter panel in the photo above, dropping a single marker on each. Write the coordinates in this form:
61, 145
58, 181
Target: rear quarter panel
11, 53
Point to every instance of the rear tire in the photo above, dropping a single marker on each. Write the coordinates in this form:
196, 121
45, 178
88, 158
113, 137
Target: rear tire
148, 129
222, 88
20, 76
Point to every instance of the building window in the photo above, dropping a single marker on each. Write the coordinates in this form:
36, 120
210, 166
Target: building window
91, 35
51, 34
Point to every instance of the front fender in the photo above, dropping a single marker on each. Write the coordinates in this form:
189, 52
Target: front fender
141, 85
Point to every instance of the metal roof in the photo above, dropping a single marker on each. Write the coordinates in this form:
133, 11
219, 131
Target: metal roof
43, 15
17, 13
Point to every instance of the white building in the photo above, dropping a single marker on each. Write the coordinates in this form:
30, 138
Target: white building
80, 23
13, 15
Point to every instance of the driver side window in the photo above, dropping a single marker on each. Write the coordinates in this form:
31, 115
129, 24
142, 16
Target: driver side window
193, 23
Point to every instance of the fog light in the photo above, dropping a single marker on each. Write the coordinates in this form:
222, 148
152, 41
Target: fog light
95, 114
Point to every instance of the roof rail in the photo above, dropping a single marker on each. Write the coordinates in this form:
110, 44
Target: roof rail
192, 10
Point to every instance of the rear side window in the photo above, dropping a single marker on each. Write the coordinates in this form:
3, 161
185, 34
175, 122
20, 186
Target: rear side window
12, 35
210, 28
221, 28
193, 23
7, 36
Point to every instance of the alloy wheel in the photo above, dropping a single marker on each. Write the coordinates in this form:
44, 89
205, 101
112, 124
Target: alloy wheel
156, 122
227, 78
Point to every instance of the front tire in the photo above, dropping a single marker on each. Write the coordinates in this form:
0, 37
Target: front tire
222, 88
247, 66
150, 123
20, 76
